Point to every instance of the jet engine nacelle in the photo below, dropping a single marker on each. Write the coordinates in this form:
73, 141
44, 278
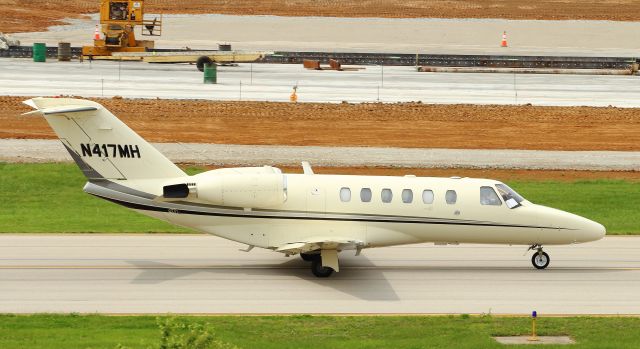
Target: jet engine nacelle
247, 190
259, 191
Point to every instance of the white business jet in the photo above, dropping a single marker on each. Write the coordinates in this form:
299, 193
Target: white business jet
316, 216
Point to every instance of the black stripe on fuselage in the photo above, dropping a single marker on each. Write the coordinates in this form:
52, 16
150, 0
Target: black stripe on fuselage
144, 207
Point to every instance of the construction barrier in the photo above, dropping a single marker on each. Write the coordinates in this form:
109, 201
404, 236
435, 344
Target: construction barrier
526, 70
391, 59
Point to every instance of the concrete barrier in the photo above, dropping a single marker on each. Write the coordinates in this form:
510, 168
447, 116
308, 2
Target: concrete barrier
526, 70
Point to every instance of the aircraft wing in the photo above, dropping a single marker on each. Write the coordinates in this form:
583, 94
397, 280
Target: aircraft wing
320, 244
328, 249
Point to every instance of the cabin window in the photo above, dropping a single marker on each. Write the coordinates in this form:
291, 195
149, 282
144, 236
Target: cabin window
365, 195
345, 194
489, 197
510, 197
427, 196
451, 197
386, 195
407, 196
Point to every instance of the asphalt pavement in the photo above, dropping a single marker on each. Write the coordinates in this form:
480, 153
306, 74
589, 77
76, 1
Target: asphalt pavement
209, 275
394, 35
275, 82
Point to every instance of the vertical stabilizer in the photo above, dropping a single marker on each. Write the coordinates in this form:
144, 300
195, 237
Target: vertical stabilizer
102, 145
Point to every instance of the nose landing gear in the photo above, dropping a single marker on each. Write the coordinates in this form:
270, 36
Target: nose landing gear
540, 259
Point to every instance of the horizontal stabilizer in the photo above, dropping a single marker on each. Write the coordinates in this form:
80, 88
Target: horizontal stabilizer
62, 110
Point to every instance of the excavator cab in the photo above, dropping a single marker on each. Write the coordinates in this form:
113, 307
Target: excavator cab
119, 11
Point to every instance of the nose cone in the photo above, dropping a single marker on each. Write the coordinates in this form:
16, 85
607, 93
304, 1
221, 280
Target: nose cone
588, 230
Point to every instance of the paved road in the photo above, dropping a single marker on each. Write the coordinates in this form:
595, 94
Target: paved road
274, 82
39, 150
205, 274
462, 36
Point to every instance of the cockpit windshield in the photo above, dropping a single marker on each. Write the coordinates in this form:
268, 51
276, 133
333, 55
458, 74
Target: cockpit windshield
510, 197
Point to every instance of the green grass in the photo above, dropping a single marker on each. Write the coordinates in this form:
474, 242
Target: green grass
43, 198
48, 198
613, 203
95, 331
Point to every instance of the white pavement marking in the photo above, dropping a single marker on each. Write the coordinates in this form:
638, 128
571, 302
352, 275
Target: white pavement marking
205, 274
40, 150
274, 82
418, 35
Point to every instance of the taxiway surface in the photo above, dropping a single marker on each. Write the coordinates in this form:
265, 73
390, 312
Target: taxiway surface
205, 274
395, 35
274, 82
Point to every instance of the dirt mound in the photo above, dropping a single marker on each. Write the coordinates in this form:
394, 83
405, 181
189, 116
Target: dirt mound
411, 125
37, 15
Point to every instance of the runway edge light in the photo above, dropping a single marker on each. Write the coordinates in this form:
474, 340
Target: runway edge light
534, 336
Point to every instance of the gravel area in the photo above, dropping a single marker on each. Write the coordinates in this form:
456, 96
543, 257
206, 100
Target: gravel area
20, 150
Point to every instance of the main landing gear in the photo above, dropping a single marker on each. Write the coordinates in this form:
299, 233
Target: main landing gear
540, 259
316, 265
309, 257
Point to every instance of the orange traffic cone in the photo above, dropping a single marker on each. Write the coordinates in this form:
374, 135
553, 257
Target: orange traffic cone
504, 39
96, 34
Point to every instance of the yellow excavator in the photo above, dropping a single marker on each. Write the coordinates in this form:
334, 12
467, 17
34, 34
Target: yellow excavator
118, 20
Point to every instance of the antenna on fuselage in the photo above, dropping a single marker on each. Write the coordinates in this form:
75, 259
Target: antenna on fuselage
306, 167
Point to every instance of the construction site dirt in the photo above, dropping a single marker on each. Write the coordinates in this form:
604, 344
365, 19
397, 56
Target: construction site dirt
409, 125
35, 15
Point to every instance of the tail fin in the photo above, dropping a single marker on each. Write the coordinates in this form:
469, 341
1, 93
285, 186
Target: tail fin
102, 146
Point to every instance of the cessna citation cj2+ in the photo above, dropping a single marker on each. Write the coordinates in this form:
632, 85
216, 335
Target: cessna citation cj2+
313, 215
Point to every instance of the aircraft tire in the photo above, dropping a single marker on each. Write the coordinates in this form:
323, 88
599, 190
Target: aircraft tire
202, 61
540, 261
309, 257
320, 271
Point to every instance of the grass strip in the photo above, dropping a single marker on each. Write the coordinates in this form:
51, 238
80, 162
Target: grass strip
48, 198
461, 331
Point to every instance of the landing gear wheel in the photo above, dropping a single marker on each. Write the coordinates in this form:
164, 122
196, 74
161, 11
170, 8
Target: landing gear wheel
202, 61
309, 257
540, 260
320, 271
